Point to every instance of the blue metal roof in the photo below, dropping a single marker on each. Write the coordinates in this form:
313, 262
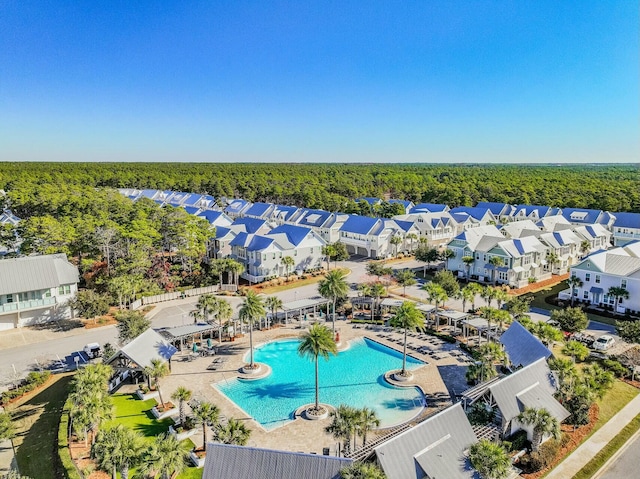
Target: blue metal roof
177, 197
461, 217
211, 216
149, 193
359, 224
288, 210
221, 231
428, 208
295, 234
522, 347
404, 203
192, 210
405, 225
518, 244
235, 206
314, 218
627, 220
258, 243
371, 201
495, 208
542, 210
477, 213
257, 209
591, 216
192, 199
252, 225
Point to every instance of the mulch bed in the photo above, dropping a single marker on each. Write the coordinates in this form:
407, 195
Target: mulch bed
575, 439
534, 287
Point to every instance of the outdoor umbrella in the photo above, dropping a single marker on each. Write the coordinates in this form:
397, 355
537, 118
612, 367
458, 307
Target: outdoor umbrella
194, 348
209, 344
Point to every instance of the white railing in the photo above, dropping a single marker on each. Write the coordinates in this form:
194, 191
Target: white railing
159, 298
26, 305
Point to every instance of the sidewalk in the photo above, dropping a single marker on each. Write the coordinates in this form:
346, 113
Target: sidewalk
588, 449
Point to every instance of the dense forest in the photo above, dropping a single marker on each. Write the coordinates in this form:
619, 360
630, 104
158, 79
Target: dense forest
333, 186
125, 249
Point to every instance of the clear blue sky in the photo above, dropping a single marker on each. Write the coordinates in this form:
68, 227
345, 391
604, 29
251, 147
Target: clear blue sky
331, 81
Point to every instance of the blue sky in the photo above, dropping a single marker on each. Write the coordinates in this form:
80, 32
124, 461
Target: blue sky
382, 81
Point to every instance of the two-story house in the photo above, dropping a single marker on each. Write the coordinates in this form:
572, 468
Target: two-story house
582, 216
262, 253
502, 211
429, 208
369, 237
482, 216
618, 267
533, 212
36, 289
626, 228
435, 228
596, 235
236, 207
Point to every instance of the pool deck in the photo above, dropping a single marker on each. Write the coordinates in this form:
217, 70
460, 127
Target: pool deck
299, 435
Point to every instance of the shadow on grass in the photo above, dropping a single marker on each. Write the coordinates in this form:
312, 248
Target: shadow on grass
36, 445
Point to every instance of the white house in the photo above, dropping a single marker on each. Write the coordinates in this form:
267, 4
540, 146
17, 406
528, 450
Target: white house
582, 216
597, 235
369, 237
533, 212
436, 228
626, 228
617, 267
36, 289
502, 211
220, 246
478, 216
262, 253
326, 224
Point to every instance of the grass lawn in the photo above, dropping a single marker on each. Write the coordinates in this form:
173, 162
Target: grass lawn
37, 417
136, 414
609, 450
615, 399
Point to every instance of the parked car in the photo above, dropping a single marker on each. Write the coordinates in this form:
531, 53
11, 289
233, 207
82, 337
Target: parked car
604, 342
584, 338
92, 350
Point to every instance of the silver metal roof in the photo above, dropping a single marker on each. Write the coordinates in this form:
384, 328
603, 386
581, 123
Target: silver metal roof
391, 303
149, 345
33, 273
240, 462
435, 448
522, 347
187, 330
304, 304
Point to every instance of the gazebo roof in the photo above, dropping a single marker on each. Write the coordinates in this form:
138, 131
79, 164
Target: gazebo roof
477, 323
187, 331
142, 350
391, 303
304, 304
455, 315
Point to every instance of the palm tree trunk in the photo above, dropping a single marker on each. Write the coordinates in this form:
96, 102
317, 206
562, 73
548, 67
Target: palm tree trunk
114, 474
159, 393
334, 317
124, 471
251, 342
404, 355
572, 293
317, 388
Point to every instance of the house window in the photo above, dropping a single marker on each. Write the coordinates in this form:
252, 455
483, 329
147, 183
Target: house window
623, 284
585, 295
64, 289
587, 277
597, 278
47, 293
9, 298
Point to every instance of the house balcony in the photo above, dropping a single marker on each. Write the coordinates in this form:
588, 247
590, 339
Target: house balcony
27, 305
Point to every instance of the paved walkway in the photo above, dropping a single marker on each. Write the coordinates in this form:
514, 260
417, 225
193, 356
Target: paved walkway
581, 456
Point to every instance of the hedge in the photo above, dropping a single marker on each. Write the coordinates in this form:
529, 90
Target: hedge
32, 381
70, 470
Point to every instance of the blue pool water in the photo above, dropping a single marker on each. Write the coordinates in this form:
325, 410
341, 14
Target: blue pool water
354, 377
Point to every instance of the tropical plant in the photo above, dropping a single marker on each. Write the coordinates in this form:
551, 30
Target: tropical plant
552, 258
233, 432
207, 304
405, 278
496, 262
157, 370
407, 317
543, 422
117, 448
570, 319
467, 294
333, 287
317, 342
164, 457
468, 261
377, 291
518, 306
576, 350
223, 312
618, 293
489, 314
343, 425
362, 470
574, 282
436, 294
597, 379
446, 255
288, 262
367, 420
490, 459
207, 414
7, 428
274, 304
629, 330
182, 395
449, 283
585, 247
427, 255
131, 324
546, 333
251, 310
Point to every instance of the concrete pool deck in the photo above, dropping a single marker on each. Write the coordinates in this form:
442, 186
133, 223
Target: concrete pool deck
299, 435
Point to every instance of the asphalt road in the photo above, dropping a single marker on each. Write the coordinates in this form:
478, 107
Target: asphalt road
625, 464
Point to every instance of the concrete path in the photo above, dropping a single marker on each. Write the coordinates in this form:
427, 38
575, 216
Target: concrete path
588, 449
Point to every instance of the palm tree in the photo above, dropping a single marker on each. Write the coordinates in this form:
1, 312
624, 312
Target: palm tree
368, 419
365, 291
207, 414
487, 294
490, 459
395, 241
362, 470
235, 268
332, 287
252, 308
317, 341
412, 237
224, 311
328, 251
446, 255
7, 427
407, 317
207, 303
574, 282
544, 424
405, 278
436, 294
468, 261
288, 262
164, 457
156, 371
343, 425
117, 448
234, 432
552, 258
618, 293
377, 290
501, 296
181, 395
585, 247
197, 315
274, 304
467, 294
489, 314
88, 413
496, 262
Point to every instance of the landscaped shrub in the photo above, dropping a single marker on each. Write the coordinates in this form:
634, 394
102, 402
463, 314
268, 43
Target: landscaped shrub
544, 457
518, 441
31, 382
615, 367
479, 415
63, 445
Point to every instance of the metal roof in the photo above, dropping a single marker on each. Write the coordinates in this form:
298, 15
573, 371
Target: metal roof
295, 234
455, 315
252, 225
359, 224
225, 461
141, 350
303, 304
429, 208
435, 448
391, 303
33, 273
522, 347
258, 209
188, 330
313, 217
627, 220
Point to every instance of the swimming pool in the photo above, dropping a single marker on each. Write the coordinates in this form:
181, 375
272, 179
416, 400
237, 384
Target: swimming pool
354, 377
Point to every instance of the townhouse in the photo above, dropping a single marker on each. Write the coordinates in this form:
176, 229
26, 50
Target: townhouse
36, 289
532, 212
626, 228
434, 228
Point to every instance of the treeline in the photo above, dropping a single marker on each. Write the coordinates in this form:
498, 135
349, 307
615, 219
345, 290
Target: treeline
333, 187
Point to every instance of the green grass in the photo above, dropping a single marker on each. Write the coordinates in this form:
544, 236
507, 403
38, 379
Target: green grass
37, 417
615, 399
136, 414
609, 450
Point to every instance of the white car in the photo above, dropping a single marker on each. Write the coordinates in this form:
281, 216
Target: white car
92, 350
604, 342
